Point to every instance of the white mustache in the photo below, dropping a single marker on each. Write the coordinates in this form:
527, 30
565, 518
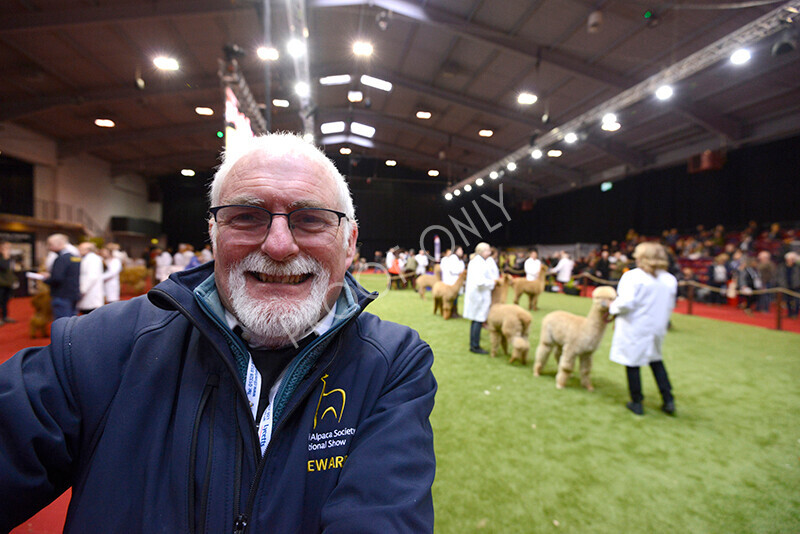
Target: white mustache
259, 263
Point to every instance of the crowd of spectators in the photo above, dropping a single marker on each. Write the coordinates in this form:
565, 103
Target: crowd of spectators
727, 264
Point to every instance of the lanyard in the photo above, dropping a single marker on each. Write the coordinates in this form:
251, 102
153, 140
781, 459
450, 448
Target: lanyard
252, 387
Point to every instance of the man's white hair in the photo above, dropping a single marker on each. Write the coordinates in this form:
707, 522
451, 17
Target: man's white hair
277, 145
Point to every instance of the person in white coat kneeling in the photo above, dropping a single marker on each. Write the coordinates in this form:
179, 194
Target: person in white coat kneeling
645, 299
478, 294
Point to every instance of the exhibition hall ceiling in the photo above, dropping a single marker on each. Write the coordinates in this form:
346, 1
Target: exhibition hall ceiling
496, 81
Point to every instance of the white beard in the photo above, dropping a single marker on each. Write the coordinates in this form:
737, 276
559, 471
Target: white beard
274, 322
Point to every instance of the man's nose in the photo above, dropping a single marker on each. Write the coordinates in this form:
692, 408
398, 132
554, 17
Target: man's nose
279, 244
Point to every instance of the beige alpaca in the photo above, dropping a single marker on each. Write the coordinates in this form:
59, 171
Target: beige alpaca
574, 337
532, 288
425, 281
500, 291
444, 295
509, 322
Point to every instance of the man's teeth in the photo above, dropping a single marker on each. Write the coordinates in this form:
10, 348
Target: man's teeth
275, 279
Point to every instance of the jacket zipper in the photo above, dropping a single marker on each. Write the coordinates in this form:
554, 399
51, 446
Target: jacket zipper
240, 524
208, 392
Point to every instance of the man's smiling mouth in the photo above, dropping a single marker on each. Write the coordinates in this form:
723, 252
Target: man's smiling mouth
280, 279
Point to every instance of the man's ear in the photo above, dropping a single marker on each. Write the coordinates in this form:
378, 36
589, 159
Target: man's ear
351, 245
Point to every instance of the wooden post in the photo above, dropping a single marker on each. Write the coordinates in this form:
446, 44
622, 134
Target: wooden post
778, 310
691, 299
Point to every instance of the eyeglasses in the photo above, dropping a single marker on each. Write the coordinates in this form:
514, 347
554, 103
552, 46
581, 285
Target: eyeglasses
309, 226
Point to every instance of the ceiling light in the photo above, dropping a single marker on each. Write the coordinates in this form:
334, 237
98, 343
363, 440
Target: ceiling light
664, 92
486, 133
203, 111
609, 117
571, 137
433, 172
280, 103
362, 48
377, 83
740, 57
526, 99
391, 163
302, 89
332, 127
338, 79
479, 182
493, 175
296, 48
267, 53
457, 192
424, 115
554, 153
344, 150
362, 129
610, 126
166, 63
511, 166
355, 96
536, 153
467, 188
187, 172
104, 123
448, 196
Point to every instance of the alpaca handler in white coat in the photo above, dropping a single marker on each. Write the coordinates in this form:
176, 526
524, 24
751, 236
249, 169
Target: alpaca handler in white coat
646, 297
478, 295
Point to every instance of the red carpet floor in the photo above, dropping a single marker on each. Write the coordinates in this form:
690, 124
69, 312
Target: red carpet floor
15, 336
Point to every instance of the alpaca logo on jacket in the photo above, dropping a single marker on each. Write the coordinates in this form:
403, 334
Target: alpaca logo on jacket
329, 402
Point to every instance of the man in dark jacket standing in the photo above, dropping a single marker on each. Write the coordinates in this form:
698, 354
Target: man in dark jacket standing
64, 278
250, 394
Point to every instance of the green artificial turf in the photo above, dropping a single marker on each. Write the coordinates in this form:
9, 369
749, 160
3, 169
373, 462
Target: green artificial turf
516, 455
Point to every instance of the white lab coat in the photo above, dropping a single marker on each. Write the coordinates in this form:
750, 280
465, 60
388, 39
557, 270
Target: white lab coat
532, 268
478, 294
643, 306
563, 270
163, 266
91, 282
451, 266
422, 263
111, 279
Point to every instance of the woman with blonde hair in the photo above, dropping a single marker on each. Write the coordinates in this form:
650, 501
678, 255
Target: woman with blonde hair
645, 299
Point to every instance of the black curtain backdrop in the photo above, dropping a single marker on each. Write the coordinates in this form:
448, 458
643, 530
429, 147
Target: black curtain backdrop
760, 183
16, 186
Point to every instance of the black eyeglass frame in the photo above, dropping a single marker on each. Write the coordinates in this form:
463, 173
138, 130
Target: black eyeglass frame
214, 210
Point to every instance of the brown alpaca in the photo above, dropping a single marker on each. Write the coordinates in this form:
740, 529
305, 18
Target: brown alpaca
43, 314
532, 288
444, 295
425, 281
500, 291
574, 337
509, 322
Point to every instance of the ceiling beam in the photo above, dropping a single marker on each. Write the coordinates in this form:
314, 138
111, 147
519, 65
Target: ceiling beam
454, 98
531, 50
10, 110
110, 138
145, 165
106, 14
623, 153
711, 120
328, 115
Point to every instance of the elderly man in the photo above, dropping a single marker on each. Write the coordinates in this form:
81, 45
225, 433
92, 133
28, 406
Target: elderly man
251, 394
63, 276
481, 278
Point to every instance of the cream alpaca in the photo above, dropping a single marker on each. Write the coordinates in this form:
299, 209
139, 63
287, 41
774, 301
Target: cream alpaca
574, 337
509, 322
444, 295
